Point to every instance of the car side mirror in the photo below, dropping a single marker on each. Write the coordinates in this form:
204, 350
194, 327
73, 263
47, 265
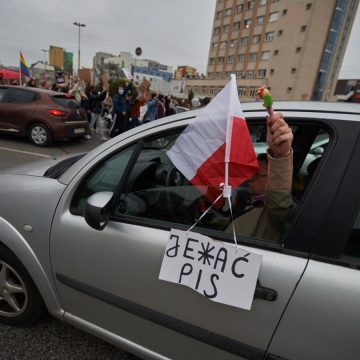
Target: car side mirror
97, 209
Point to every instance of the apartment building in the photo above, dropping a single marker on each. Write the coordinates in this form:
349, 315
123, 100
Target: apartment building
294, 47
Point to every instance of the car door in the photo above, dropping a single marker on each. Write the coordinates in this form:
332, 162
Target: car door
322, 320
16, 109
110, 277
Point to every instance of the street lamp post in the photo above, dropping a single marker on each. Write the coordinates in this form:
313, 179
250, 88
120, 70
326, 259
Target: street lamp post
45, 51
79, 25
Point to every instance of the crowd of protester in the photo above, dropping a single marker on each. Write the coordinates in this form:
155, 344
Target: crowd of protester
112, 114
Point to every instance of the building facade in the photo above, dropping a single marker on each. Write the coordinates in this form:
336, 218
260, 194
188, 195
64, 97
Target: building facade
294, 47
56, 57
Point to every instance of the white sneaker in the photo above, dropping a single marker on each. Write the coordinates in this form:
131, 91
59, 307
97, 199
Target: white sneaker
87, 137
103, 138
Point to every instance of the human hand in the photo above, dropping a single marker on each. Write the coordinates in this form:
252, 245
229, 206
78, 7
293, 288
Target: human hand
279, 136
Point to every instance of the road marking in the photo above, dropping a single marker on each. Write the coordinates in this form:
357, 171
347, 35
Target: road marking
25, 152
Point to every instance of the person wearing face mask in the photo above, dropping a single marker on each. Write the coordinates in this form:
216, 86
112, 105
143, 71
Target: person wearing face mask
120, 111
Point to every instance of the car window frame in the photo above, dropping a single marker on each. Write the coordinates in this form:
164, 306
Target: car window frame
249, 241
335, 233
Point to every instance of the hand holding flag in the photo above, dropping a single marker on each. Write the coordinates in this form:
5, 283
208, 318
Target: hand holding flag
216, 148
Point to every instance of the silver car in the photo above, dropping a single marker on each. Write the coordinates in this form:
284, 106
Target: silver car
84, 238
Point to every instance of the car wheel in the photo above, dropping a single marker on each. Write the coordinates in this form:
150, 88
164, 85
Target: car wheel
40, 135
20, 301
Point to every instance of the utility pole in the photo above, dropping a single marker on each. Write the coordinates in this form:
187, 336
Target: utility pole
79, 25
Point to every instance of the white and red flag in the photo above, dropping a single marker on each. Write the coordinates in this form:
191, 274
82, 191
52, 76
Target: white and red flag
216, 147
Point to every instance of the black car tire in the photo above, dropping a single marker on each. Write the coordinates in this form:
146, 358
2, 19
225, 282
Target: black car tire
27, 298
40, 135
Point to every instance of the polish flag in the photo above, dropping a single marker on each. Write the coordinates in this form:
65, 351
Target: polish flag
216, 147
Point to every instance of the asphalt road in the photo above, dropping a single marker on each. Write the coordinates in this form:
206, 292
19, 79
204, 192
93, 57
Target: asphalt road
49, 339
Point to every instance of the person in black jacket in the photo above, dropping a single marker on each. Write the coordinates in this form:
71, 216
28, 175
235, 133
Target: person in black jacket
95, 101
120, 110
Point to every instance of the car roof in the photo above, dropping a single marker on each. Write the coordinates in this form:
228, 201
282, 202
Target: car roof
34, 89
306, 106
305, 110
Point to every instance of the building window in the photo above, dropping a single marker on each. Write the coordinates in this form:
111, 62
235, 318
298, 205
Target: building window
223, 45
269, 36
221, 60
196, 91
298, 49
276, 52
262, 2
273, 16
218, 14
252, 57
233, 43
212, 91
214, 45
256, 39
204, 90
211, 61
238, 74
244, 41
265, 55
239, 8
210, 75
259, 20
280, 32
308, 6
275, 1
228, 12
218, 75
261, 73
303, 28
241, 58
284, 12
216, 30
250, 5
230, 59
247, 23
272, 71
225, 29
289, 89
242, 90
293, 70
236, 26
250, 74
252, 91
228, 74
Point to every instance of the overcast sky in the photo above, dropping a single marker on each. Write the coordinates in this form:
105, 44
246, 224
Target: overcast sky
173, 32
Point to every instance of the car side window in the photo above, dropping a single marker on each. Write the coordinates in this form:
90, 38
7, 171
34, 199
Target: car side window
2, 94
157, 191
21, 96
105, 177
352, 249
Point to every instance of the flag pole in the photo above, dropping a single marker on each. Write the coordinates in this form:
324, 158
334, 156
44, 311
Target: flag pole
227, 187
20, 72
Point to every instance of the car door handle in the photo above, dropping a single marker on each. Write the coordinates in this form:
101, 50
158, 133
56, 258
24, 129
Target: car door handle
264, 293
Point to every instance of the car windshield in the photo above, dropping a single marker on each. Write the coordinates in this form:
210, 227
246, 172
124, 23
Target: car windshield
65, 100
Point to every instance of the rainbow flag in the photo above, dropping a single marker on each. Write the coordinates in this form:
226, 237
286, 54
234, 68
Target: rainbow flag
23, 66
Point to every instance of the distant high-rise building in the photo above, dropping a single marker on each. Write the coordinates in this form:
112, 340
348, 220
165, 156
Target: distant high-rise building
56, 57
183, 72
295, 47
68, 62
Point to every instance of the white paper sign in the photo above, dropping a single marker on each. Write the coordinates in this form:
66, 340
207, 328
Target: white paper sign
127, 73
222, 272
